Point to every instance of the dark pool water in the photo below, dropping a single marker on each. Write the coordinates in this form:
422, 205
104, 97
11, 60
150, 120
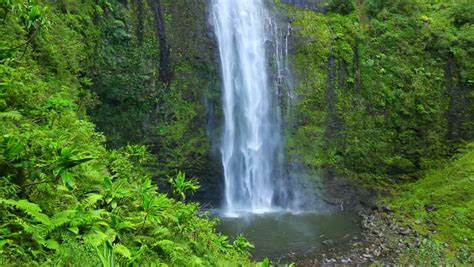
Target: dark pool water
286, 237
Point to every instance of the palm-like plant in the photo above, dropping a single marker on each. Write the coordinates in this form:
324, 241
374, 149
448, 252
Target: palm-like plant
181, 185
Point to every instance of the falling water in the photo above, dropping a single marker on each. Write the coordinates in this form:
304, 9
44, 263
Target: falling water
251, 145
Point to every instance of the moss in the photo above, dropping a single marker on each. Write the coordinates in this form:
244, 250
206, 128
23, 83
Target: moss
383, 95
442, 205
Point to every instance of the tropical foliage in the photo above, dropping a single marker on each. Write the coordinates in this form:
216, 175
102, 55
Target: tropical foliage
384, 96
64, 198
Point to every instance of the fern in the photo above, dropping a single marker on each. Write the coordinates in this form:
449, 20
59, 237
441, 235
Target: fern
60, 219
175, 252
45, 225
123, 251
29, 208
11, 115
96, 238
92, 199
36, 231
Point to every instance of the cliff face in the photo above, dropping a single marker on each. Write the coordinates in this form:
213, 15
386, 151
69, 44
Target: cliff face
381, 96
155, 76
379, 91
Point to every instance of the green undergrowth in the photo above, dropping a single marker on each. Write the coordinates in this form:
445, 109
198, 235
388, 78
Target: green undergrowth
441, 205
65, 200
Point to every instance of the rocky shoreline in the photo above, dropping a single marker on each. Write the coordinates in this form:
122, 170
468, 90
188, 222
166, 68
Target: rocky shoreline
383, 241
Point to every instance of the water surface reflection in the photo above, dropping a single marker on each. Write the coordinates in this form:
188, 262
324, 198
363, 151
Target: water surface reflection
289, 235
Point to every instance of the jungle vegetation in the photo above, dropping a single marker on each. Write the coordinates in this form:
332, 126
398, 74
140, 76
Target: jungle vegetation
101, 100
66, 199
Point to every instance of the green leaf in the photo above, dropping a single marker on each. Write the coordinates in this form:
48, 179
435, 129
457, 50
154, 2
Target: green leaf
264, 263
12, 115
31, 209
122, 250
52, 244
74, 229
92, 199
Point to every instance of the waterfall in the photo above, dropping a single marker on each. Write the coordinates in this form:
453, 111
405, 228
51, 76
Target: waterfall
251, 144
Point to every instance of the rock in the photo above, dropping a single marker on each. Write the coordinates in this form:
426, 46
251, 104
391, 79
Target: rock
330, 261
377, 253
430, 207
387, 209
417, 222
405, 231
328, 242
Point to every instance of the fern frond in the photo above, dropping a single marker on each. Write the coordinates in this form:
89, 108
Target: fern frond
96, 238
29, 208
13, 115
122, 250
92, 199
62, 217
161, 231
36, 231
59, 220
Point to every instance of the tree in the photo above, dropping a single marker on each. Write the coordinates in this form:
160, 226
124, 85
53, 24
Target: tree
342, 7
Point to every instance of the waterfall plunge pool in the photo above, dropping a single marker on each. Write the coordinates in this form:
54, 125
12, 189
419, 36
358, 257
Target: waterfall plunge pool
289, 237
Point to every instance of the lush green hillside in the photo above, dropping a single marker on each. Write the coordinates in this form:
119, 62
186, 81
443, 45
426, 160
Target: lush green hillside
385, 98
441, 206
384, 87
64, 198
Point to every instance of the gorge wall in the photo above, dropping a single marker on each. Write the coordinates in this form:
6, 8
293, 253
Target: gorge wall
383, 90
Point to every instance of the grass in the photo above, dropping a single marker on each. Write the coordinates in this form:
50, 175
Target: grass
441, 205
